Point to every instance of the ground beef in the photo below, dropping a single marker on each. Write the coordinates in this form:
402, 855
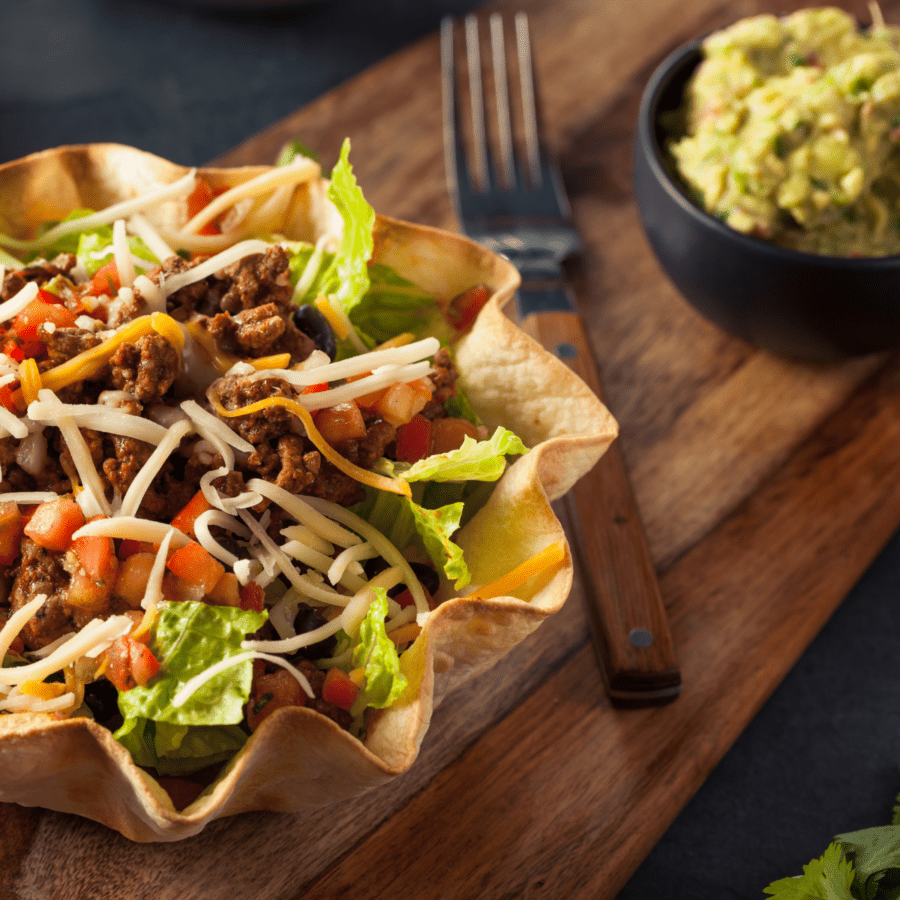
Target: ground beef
129, 458
235, 391
365, 452
257, 280
65, 343
41, 572
251, 332
145, 368
288, 464
443, 377
201, 296
40, 271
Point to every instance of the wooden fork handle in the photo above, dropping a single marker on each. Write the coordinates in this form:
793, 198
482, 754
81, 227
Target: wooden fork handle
628, 618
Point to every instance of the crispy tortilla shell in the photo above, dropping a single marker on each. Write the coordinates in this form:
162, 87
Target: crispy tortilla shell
298, 759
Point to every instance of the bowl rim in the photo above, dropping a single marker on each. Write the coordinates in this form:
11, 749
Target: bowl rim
648, 113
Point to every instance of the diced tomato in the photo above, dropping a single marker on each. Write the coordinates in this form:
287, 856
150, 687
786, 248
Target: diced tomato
128, 547
11, 397
10, 532
401, 402
341, 423
54, 523
271, 691
227, 591
316, 388
105, 281
339, 688
464, 308
367, 401
130, 663
449, 433
134, 573
199, 199
414, 439
252, 597
195, 566
405, 599
38, 312
97, 557
196, 506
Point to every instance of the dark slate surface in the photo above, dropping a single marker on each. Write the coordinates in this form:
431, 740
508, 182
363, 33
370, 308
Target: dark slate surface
188, 83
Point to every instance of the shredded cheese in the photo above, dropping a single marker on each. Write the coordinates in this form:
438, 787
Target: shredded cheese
93, 498
98, 418
134, 528
29, 380
144, 478
504, 586
16, 623
292, 645
194, 684
212, 265
122, 254
96, 636
373, 479
9, 309
90, 362
180, 188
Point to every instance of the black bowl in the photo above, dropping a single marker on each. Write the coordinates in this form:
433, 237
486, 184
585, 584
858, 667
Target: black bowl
807, 307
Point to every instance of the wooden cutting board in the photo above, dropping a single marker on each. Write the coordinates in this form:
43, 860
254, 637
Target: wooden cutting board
767, 489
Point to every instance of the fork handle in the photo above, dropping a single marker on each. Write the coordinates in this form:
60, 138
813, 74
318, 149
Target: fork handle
628, 618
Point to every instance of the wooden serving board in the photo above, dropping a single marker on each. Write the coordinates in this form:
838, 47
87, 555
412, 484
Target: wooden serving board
767, 489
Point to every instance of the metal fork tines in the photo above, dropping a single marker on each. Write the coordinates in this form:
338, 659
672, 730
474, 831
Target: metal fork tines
512, 202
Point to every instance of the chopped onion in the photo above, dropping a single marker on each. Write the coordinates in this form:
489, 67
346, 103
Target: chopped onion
32, 453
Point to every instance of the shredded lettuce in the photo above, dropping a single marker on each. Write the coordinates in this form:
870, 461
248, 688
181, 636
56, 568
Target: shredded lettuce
346, 279
187, 639
376, 653
474, 461
179, 749
393, 305
435, 527
95, 249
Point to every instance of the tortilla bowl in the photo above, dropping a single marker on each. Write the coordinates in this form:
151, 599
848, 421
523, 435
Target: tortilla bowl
298, 759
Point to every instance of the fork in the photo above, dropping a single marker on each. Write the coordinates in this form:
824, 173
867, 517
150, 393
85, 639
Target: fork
514, 204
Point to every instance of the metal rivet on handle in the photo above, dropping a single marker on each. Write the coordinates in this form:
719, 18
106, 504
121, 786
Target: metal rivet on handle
640, 637
566, 351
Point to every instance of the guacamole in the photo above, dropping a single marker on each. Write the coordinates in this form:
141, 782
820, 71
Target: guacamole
790, 131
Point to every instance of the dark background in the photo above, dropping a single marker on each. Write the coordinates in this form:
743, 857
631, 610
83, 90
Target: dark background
188, 83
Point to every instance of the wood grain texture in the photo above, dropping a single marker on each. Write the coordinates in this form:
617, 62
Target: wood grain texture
766, 489
622, 596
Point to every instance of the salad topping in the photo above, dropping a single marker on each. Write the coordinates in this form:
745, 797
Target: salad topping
228, 479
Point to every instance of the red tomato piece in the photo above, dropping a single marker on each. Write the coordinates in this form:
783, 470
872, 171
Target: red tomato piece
272, 691
414, 439
464, 308
449, 433
196, 506
54, 523
194, 565
340, 689
38, 312
105, 281
252, 597
10, 532
199, 199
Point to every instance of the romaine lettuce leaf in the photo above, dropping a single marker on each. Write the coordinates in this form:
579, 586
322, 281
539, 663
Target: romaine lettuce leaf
347, 277
179, 749
474, 461
95, 249
393, 305
189, 637
435, 527
375, 652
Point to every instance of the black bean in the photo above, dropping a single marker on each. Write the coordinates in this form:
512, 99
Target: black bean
309, 619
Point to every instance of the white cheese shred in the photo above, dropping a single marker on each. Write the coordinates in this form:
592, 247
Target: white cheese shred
194, 684
122, 254
212, 265
133, 528
12, 307
16, 622
291, 645
144, 478
97, 635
